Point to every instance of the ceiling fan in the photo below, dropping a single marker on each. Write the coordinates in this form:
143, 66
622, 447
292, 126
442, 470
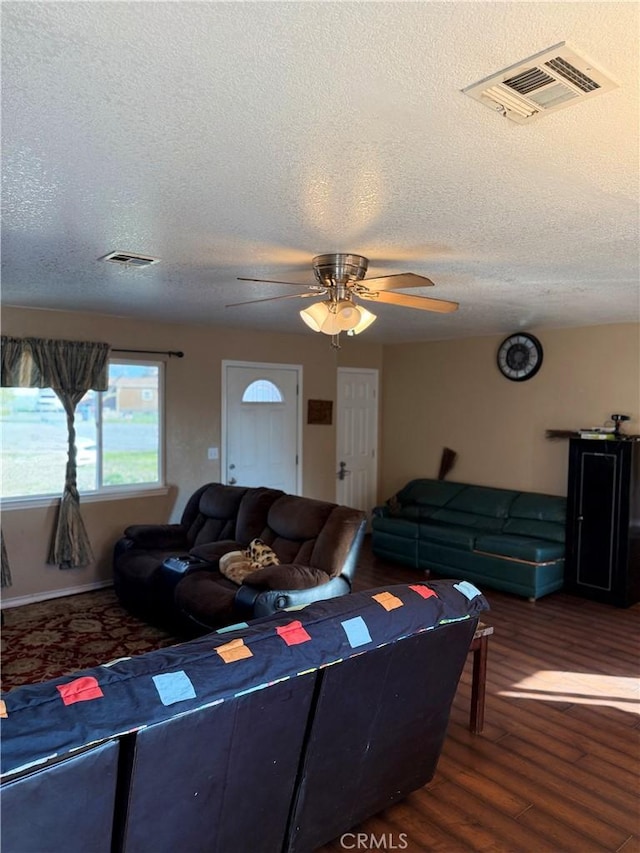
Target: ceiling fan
340, 277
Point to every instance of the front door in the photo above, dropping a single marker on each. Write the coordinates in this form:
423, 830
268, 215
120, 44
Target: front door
357, 438
261, 425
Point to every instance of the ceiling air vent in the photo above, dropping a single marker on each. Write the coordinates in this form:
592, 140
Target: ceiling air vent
550, 80
129, 259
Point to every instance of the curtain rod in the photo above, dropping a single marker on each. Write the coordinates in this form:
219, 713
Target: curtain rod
153, 352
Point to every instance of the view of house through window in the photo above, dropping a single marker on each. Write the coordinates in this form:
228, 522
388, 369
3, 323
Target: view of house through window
118, 436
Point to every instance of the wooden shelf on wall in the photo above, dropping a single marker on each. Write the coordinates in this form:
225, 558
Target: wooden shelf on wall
572, 433
562, 433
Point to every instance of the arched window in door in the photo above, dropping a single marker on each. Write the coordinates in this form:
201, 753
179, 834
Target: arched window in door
262, 391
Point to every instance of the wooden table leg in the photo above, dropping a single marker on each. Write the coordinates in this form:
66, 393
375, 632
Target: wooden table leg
480, 647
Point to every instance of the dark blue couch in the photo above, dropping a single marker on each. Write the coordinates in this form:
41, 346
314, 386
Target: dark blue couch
498, 538
274, 736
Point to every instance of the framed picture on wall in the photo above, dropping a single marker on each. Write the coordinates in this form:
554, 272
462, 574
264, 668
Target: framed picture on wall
320, 412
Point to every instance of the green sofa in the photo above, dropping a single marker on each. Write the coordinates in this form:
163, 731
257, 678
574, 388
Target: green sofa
498, 538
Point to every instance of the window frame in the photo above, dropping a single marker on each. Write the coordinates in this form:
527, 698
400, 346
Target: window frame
121, 491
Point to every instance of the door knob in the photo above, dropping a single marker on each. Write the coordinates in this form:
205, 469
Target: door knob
342, 473
232, 481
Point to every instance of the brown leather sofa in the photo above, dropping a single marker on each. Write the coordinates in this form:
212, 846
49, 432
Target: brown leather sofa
168, 573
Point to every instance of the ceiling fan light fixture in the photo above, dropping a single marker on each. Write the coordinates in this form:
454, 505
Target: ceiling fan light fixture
347, 315
366, 319
332, 325
316, 315
331, 318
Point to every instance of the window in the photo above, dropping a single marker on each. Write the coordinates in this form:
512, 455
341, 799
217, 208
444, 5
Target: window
262, 391
118, 435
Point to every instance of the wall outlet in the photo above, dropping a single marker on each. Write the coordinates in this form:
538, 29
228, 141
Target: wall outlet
212, 453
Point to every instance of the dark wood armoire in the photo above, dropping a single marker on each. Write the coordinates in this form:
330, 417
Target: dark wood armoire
603, 520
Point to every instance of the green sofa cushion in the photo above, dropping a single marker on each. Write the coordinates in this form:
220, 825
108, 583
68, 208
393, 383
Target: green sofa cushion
430, 492
415, 512
481, 500
449, 534
539, 507
467, 519
521, 548
396, 527
537, 529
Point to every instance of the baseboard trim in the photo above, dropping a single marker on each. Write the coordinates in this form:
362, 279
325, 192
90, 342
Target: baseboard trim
35, 597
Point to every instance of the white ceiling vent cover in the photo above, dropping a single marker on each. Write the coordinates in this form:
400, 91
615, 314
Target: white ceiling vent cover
129, 259
550, 80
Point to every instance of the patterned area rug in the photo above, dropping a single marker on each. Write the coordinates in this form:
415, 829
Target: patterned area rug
52, 638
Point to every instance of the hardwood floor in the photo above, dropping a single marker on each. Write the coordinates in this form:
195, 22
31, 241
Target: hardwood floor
557, 766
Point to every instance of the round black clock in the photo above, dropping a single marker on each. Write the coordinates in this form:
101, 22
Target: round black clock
520, 356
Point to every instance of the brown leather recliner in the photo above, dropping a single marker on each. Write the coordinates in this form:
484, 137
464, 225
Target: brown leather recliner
168, 574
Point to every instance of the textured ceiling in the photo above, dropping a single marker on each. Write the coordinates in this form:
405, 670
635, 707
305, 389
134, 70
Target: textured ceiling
234, 139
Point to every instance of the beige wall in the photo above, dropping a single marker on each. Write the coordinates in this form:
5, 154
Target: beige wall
446, 393
193, 393
450, 394
27, 534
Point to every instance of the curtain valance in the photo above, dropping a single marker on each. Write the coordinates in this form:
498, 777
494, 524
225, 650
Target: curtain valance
70, 366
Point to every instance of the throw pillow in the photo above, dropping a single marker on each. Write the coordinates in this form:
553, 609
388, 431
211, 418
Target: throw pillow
236, 565
261, 554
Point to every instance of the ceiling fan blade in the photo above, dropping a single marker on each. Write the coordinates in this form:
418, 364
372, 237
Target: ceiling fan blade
398, 281
273, 299
424, 303
272, 281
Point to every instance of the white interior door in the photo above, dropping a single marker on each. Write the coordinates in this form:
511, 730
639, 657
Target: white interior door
261, 425
357, 438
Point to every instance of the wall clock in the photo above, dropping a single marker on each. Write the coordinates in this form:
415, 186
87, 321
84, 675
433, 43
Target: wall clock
519, 356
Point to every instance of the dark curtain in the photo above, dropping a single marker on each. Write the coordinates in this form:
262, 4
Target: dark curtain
70, 368
5, 576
